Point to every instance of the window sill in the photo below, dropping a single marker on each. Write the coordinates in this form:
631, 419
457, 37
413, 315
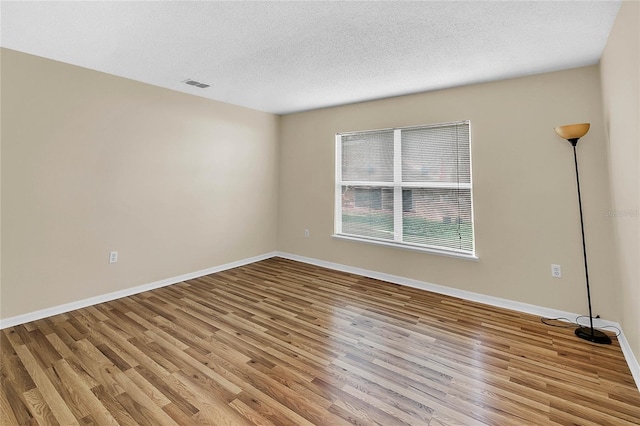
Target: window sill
403, 246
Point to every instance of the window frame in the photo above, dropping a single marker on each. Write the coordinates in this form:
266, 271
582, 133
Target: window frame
398, 186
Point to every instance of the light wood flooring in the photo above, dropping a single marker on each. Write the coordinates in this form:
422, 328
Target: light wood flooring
279, 342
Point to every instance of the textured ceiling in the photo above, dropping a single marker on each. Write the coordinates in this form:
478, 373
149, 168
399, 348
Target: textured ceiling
283, 57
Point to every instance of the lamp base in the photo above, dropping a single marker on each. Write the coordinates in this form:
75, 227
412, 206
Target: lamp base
594, 335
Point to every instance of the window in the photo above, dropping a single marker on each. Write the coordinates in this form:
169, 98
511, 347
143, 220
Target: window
407, 187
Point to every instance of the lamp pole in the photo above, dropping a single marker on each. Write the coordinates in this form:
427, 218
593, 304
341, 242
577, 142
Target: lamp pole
573, 133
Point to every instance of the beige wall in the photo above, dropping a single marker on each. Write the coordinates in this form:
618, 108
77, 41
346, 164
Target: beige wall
620, 72
93, 162
175, 183
526, 211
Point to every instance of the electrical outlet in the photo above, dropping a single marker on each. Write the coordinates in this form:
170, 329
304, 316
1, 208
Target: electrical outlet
556, 271
306, 233
113, 257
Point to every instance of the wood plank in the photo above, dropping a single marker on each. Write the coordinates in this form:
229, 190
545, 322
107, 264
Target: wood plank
84, 395
39, 408
56, 404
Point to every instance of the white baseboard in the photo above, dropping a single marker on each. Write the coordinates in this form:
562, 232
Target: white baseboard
463, 294
630, 357
480, 298
60, 309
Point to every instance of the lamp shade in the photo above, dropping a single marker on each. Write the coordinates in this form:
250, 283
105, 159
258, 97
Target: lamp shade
572, 131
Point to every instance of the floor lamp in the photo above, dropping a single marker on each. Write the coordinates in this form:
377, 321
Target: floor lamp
572, 133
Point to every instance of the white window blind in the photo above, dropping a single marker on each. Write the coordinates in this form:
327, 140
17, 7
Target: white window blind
406, 186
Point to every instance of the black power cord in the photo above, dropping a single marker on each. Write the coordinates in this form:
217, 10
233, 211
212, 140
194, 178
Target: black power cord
563, 323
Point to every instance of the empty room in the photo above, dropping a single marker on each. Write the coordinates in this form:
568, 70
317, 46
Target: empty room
320, 213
